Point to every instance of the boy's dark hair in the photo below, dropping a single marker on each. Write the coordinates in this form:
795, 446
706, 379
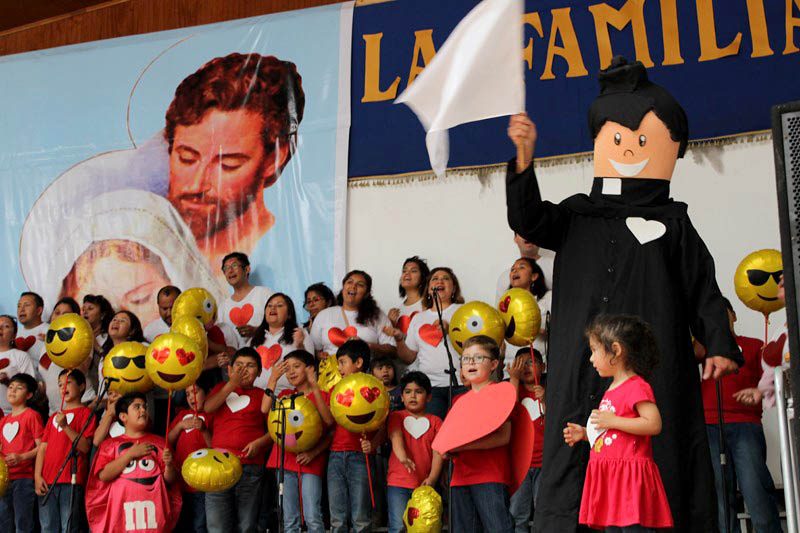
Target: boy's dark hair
526, 352
73, 305
487, 343
246, 351
424, 270
239, 256
635, 337
126, 401
355, 349
383, 360
168, 290
28, 381
302, 356
417, 378
76, 374
36, 298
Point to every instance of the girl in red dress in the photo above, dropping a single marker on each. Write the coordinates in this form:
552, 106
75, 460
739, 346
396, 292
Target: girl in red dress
623, 489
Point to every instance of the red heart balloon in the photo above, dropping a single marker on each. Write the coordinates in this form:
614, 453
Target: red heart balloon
5, 362
413, 514
346, 398
161, 355
370, 394
184, 357
404, 321
338, 336
431, 334
240, 316
503, 305
24, 343
269, 355
44, 361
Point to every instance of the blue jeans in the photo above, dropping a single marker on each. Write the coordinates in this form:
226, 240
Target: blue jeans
55, 514
312, 503
236, 509
524, 499
18, 507
193, 513
397, 498
481, 507
348, 492
747, 454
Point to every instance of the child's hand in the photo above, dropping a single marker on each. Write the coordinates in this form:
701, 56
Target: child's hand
168, 457
12, 459
194, 422
298, 336
603, 419
223, 360
113, 398
311, 376
409, 464
428, 482
750, 396
278, 369
61, 420
40, 485
236, 377
251, 449
366, 446
538, 392
516, 369
140, 449
304, 458
574, 433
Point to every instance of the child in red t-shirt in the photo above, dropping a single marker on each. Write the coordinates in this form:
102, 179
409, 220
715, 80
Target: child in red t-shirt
61, 431
413, 463
300, 371
241, 428
133, 485
187, 434
528, 377
20, 434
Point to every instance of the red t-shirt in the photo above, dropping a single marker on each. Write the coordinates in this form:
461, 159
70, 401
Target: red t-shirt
418, 434
18, 434
189, 440
747, 377
316, 466
533, 407
238, 422
481, 466
59, 444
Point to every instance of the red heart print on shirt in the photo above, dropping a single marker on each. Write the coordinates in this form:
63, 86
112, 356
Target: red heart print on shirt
404, 321
161, 355
240, 316
503, 305
339, 337
44, 362
269, 355
24, 343
184, 357
370, 394
5, 362
346, 398
431, 334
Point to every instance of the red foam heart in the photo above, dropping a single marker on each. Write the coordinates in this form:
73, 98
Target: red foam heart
240, 316
503, 305
370, 394
24, 343
5, 362
184, 357
161, 355
431, 334
44, 362
339, 337
269, 355
346, 398
404, 321
413, 514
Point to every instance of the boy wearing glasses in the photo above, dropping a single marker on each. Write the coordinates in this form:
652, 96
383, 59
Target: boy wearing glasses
240, 427
244, 309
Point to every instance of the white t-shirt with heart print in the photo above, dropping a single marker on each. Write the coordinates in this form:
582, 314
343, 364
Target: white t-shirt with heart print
248, 311
38, 347
432, 358
329, 330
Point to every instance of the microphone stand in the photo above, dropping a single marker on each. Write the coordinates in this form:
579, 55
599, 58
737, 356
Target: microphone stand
723, 457
278, 406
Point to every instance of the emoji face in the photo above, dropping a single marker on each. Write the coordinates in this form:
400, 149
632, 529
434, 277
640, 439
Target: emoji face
69, 340
126, 363
423, 512
648, 152
211, 470
756, 281
521, 315
359, 403
303, 424
173, 361
144, 470
328, 373
196, 302
192, 328
476, 318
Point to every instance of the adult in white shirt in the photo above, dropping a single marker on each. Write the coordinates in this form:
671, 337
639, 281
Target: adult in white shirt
276, 336
544, 258
317, 297
244, 309
165, 298
424, 344
12, 360
357, 315
32, 329
412, 284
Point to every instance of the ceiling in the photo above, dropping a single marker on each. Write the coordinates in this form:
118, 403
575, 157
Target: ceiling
15, 13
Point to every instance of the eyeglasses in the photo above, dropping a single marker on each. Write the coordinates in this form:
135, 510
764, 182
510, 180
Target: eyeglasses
64, 334
121, 363
759, 277
476, 359
311, 301
231, 266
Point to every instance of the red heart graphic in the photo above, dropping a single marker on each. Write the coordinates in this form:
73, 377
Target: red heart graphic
269, 355
240, 316
346, 398
44, 361
161, 355
370, 394
503, 305
5, 362
404, 321
431, 334
413, 514
184, 357
338, 336
24, 343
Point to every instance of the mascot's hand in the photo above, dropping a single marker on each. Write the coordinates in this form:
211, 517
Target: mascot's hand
522, 132
717, 366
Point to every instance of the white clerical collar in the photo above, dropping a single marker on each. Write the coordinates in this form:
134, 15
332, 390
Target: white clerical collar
612, 186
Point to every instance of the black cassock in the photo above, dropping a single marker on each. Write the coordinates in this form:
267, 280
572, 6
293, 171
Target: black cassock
601, 267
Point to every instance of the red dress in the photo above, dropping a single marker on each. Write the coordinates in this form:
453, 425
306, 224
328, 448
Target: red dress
623, 486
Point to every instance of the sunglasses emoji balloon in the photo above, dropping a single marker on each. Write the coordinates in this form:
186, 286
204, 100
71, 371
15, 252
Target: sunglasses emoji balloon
173, 361
756, 281
124, 366
359, 403
69, 340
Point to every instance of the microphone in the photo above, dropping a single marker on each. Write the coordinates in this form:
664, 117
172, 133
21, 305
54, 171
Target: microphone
111, 379
436, 289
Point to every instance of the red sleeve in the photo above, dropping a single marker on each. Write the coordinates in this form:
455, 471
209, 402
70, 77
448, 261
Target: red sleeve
641, 392
395, 421
215, 335
105, 454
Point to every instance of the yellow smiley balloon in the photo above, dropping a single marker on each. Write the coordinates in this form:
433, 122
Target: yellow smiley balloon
521, 315
211, 470
328, 373
192, 328
359, 403
196, 302
756, 281
303, 424
69, 340
125, 365
173, 361
3, 477
423, 512
476, 318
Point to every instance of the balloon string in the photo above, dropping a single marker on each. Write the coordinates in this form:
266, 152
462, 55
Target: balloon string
64, 389
766, 329
166, 429
369, 476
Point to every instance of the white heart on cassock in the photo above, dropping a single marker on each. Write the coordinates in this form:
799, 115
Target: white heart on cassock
236, 403
70, 418
592, 432
645, 230
533, 406
191, 415
10, 431
116, 430
416, 427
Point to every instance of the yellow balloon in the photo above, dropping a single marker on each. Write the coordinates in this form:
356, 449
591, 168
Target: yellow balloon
192, 328
125, 364
476, 318
303, 424
328, 373
211, 470
173, 361
423, 512
521, 315
69, 340
196, 302
3, 476
756, 281
360, 403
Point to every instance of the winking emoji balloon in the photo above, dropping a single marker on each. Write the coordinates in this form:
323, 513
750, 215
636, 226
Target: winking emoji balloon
423, 512
303, 424
359, 403
476, 318
69, 340
196, 302
211, 470
521, 315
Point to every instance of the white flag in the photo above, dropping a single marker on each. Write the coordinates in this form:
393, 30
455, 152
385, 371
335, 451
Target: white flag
477, 74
